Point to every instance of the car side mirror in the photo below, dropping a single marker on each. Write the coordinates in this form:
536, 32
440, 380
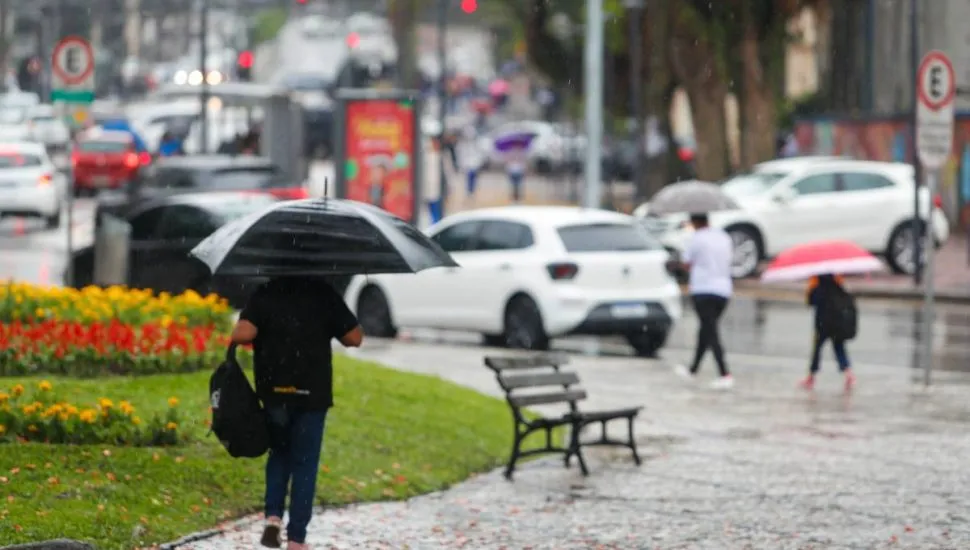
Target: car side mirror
784, 196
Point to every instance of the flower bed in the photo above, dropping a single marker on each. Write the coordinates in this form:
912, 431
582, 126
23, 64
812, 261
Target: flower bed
96, 349
42, 416
32, 304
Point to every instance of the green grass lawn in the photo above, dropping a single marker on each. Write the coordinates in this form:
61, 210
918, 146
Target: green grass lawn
391, 435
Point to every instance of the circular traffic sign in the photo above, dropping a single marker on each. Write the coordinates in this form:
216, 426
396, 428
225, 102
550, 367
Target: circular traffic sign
936, 81
73, 60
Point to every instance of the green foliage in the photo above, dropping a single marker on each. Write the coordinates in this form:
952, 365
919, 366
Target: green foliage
392, 435
268, 25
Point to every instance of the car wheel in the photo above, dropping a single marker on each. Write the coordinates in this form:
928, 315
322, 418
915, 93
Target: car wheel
53, 222
374, 314
523, 325
747, 252
899, 253
647, 344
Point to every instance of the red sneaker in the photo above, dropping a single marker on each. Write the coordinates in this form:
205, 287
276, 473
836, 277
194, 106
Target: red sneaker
849, 380
808, 383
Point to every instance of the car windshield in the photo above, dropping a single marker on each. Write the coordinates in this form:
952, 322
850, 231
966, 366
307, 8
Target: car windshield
42, 118
230, 210
18, 160
251, 177
606, 237
102, 146
305, 82
751, 183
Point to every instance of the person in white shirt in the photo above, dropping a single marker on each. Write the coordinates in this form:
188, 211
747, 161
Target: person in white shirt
708, 257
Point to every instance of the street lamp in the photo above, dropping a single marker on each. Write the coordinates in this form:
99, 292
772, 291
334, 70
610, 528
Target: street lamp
635, 42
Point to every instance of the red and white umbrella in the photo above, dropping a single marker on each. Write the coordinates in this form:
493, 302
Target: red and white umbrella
821, 258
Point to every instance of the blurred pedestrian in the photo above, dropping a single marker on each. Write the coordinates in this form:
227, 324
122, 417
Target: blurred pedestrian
290, 323
433, 191
835, 320
708, 258
470, 158
378, 185
516, 160
170, 145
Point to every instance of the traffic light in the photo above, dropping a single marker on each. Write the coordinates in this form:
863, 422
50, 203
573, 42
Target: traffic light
244, 66
469, 6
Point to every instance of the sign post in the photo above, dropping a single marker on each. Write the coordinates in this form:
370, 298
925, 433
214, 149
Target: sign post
936, 89
72, 71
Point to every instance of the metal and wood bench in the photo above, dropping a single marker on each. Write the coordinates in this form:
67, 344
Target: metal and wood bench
539, 380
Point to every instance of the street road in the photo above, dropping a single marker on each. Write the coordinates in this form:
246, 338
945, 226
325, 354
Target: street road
889, 331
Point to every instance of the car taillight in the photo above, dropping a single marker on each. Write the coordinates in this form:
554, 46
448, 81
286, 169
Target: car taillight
131, 160
44, 179
938, 201
74, 159
290, 193
562, 271
144, 158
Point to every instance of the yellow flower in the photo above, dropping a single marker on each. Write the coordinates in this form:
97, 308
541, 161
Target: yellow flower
4, 397
3, 429
44, 385
105, 403
88, 416
136, 420
171, 426
173, 402
126, 407
17, 390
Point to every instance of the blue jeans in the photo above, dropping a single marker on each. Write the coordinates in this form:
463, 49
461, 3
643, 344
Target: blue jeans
515, 178
294, 456
840, 354
472, 180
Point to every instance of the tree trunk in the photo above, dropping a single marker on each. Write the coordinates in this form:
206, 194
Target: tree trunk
758, 117
403, 16
695, 63
4, 41
659, 88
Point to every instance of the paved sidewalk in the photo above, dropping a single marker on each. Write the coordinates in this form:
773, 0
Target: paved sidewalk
763, 467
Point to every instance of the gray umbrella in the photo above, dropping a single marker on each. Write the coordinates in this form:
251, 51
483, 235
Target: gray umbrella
692, 196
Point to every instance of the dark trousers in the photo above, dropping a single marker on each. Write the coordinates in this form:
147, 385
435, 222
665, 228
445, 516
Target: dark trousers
837, 345
515, 179
709, 308
294, 459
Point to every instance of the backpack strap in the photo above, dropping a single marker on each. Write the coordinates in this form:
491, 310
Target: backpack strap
231, 352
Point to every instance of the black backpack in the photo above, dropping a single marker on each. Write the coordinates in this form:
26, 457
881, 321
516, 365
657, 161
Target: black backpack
840, 319
238, 419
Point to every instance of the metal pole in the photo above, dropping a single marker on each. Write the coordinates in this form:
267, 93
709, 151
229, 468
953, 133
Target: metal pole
204, 87
914, 54
69, 191
929, 304
636, 91
442, 101
593, 87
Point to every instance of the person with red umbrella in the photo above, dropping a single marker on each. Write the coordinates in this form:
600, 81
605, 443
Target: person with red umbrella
836, 317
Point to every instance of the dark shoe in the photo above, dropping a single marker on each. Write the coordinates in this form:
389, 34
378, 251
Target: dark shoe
271, 536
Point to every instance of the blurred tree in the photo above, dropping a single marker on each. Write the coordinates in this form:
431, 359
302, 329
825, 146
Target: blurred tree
403, 16
5, 41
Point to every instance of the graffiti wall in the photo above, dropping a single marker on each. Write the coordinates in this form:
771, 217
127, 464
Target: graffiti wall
888, 139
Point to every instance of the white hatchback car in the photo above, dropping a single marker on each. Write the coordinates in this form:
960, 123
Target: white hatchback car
30, 185
788, 202
529, 274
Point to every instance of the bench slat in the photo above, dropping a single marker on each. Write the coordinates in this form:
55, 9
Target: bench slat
530, 362
515, 381
546, 398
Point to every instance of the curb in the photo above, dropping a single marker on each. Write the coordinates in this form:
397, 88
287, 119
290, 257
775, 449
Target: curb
899, 295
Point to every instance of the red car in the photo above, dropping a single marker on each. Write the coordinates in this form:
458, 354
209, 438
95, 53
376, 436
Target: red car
106, 160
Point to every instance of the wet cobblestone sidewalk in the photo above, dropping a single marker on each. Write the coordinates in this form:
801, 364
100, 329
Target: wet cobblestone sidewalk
765, 467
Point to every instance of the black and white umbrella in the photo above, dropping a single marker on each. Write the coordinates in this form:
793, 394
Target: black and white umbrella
319, 237
692, 196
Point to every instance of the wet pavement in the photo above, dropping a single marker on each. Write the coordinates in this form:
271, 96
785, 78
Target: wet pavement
765, 466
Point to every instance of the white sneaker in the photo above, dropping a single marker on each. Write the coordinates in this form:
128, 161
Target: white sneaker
723, 383
683, 372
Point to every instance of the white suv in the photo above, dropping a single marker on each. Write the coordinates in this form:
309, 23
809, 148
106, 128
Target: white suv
529, 274
784, 203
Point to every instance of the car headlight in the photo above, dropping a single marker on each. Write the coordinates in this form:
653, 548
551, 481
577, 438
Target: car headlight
214, 78
195, 78
181, 77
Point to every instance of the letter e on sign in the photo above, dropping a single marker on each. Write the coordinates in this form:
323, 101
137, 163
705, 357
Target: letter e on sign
72, 63
936, 89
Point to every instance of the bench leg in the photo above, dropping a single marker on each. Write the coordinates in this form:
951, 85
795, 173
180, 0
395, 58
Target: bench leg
575, 449
633, 442
514, 457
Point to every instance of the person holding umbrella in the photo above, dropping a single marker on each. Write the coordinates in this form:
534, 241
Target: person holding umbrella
826, 294
708, 259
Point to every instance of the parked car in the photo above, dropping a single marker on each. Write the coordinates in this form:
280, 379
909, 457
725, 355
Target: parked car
784, 203
184, 174
13, 123
106, 159
164, 230
45, 127
30, 184
529, 274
